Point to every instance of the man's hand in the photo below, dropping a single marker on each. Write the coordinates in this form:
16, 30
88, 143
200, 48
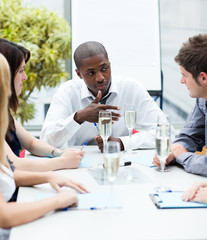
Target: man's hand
99, 142
90, 113
156, 160
177, 149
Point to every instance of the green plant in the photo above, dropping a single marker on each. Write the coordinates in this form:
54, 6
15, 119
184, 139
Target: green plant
47, 36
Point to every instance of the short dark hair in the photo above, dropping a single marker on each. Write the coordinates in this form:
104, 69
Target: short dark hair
193, 55
88, 49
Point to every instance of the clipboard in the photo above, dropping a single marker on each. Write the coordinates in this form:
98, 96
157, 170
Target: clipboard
172, 200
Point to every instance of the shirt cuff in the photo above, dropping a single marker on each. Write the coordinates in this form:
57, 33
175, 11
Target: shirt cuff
182, 157
125, 141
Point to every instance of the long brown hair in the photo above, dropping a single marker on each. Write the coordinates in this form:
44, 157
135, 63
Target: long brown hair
14, 54
5, 92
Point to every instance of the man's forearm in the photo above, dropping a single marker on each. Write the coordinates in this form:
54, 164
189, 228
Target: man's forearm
177, 149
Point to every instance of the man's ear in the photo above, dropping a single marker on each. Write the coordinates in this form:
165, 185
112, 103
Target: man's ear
78, 73
203, 78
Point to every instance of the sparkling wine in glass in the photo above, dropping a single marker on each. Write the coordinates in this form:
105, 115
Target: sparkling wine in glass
163, 142
111, 164
130, 121
105, 126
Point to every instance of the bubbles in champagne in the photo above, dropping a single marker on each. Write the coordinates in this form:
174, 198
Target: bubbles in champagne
105, 126
162, 147
130, 119
111, 166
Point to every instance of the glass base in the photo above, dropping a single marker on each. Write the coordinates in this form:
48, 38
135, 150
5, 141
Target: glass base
165, 169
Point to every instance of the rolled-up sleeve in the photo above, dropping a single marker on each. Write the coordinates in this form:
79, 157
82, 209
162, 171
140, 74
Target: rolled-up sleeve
193, 163
192, 137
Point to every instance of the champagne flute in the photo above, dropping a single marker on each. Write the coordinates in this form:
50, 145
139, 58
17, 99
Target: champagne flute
105, 126
130, 121
111, 164
163, 133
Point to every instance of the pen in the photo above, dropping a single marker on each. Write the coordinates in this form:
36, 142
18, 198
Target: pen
95, 124
62, 209
85, 143
124, 164
97, 208
93, 208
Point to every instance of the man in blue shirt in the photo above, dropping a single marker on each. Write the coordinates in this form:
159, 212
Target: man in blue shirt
192, 59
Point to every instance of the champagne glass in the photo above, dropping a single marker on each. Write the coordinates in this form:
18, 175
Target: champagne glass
111, 164
130, 121
163, 133
105, 126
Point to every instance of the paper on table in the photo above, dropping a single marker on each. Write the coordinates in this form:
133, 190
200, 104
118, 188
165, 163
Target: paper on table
86, 162
144, 159
97, 201
90, 201
173, 200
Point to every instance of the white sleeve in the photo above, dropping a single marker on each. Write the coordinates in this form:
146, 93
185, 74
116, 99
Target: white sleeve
147, 112
59, 126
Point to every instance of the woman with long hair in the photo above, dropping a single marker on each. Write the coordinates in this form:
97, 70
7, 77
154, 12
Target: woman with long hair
12, 213
17, 137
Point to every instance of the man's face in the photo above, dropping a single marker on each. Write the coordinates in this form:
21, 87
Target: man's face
96, 72
195, 90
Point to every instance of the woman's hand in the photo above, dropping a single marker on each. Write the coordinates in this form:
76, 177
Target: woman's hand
56, 181
71, 157
201, 195
66, 198
197, 192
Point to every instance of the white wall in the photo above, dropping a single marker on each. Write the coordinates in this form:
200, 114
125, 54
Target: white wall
180, 19
129, 29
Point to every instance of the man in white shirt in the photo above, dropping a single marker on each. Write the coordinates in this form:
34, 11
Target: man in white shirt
76, 105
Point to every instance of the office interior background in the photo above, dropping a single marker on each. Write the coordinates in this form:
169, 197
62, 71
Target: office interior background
179, 20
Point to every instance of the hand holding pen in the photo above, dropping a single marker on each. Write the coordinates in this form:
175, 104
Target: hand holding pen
96, 125
85, 143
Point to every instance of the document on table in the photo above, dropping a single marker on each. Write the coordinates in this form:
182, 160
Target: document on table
91, 201
86, 162
173, 200
144, 159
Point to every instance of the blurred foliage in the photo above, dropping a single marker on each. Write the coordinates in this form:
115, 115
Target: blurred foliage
47, 36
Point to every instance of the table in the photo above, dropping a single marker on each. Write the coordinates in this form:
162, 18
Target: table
139, 218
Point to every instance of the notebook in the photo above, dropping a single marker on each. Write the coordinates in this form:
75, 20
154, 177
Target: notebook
90, 201
165, 200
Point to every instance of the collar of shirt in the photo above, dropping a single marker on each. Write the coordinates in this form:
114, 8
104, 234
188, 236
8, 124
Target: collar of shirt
85, 93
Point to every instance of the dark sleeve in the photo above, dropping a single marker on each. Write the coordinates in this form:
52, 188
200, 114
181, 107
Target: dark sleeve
192, 136
193, 163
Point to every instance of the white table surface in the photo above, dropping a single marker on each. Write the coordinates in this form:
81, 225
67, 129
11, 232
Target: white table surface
139, 218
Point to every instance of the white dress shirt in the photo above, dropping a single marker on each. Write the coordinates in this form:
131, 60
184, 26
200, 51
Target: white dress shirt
62, 131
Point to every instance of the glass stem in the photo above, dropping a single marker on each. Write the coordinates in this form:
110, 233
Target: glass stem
130, 141
162, 168
104, 145
111, 202
162, 165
